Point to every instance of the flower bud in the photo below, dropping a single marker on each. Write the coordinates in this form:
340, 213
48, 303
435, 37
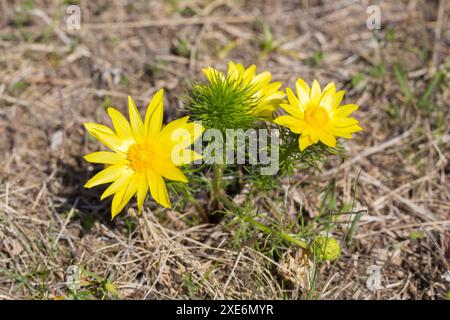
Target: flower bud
326, 248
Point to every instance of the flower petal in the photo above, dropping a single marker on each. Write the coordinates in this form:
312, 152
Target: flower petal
343, 122
331, 87
248, 75
154, 115
262, 79
167, 131
121, 124
106, 136
119, 184
183, 137
303, 91
188, 157
328, 96
335, 101
106, 157
158, 188
304, 142
141, 191
315, 94
107, 175
123, 197
345, 110
212, 73
328, 139
294, 124
170, 172
345, 132
136, 121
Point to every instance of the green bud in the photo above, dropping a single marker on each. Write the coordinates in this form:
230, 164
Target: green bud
222, 103
325, 248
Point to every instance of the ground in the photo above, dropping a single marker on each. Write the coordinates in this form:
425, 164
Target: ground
54, 234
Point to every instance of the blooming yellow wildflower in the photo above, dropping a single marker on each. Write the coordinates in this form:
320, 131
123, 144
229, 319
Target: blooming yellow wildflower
143, 153
317, 115
266, 94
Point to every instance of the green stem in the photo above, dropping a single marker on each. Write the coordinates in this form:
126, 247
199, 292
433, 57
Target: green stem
219, 195
287, 237
218, 192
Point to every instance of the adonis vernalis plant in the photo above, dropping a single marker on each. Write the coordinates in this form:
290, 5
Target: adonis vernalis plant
142, 154
317, 115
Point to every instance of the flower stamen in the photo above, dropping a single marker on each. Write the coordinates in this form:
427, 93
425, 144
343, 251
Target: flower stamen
141, 156
316, 116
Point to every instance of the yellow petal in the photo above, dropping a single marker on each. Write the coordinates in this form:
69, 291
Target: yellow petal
136, 121
210, 73
167, 131
328, 96
292, 110
141, 191
119, 184
240, 68
170, 172
262, 79
158, 188
121, 124
154, 115
123, 197
308, 130
107, 175
335, 101
345, 110
270, 88
184, 136
106, 136
328, 139
232, 71
345, 132
106, 157
304, 142
354, 128
315, 136
296, 125
248, 75
117, 199
303, 91
343, 122
315, 94
331, 87
278, 95
189, 156
293, 100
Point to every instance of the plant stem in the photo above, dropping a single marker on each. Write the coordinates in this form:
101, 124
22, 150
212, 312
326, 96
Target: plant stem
287, 237
217, 184
219, 195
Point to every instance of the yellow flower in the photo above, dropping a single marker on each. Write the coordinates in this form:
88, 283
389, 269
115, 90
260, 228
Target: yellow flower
266, 94
317, 115
143, 153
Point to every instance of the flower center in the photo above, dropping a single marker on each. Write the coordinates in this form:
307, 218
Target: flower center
316, 116
140, 157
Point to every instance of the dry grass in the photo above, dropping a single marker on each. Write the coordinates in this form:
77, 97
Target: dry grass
53, 79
